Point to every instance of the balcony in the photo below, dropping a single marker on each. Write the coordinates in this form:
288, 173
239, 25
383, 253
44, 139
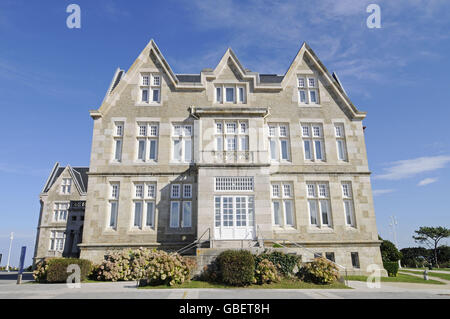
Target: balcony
234, 157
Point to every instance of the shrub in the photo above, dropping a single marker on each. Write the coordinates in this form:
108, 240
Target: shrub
391, 268
389, 252
54, 270
286, 264
142, 264
266, 272
237, 267
211, 272
168, 269
319, 271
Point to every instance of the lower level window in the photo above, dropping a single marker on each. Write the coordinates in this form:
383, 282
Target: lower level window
144, 214
330, 256
355, 260
57, 239
234, 211
183, 218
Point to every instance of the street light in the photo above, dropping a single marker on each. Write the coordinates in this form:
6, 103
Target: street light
9, 252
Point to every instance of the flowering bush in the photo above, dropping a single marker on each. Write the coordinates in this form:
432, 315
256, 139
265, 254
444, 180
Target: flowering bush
319, 271
169, 269
153, 266
266, 272
286, 264
40, 273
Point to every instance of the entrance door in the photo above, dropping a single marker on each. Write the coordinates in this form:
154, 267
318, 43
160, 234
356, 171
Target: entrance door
234, 217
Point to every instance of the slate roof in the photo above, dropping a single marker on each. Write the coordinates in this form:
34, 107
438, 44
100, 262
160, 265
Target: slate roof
270, 78
79, 173
191, 78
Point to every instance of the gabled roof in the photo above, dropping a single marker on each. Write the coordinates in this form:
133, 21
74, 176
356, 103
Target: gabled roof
261, 82
79, 176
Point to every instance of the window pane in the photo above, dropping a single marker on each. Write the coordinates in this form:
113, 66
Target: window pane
276, 213
144, 96
284, 149
313, 96
227, 208
302, 96
219, 143
153, 149
341, 152
229, 94
324, 210
348, 212
273, 150
241, 94
177, 150
318, 149
141, 150
113, 215
118, 154
187, 214
218, 94
288, 212
138, 214
217, 211
231, 143
150, 214
313, 212
155, 95
174, 214
244, 143
307, 145
187, 150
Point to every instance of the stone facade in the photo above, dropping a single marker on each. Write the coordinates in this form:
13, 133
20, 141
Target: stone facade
212, 131
61, 217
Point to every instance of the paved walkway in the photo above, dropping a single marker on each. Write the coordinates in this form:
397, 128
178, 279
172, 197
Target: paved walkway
127, 290
421, 270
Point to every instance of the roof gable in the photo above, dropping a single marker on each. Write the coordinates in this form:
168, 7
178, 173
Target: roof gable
78, 174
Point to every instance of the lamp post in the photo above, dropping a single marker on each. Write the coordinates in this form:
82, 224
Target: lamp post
394, 224
9, 252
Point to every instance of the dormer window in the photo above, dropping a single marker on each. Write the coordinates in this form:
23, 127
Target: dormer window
230, 93
66, 185
150, 88
308, 92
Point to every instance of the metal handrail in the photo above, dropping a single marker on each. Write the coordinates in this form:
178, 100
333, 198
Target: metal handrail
197, 241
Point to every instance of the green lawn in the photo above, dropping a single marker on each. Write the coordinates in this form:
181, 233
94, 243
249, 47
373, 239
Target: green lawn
430, 274
283, 284
399, 278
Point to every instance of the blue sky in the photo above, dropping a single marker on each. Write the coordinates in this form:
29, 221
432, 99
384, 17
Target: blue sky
50, 76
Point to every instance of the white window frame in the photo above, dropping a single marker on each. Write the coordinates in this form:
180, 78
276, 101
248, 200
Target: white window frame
144, 193
148, 133
304, 85
223, 136
239, 93
114, 193
348, 204
66, 186
151, 86
60, 211
318, 197
234, 184
57, 241
312, 138
182, 137
282, 198
339, 130
276, 138
118, 141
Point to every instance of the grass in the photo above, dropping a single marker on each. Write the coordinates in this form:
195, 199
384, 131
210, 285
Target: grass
399, 278
430, 274
423, 268
283, 284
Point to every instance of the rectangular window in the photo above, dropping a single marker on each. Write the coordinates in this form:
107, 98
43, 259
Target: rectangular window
175, 193
66, 185
182, 143
187, 214
340, 142
113, 214
60, 212
241, 95
141, 150
57, 240
219, 95
234, 184
282, 204
150, 218
279, 142
235, 136
355, 259
138, 214
118, 151
147, 141
229, 95
307, 91
174, 214
150, 88
187, 190
348, 204
313, 145
319, 204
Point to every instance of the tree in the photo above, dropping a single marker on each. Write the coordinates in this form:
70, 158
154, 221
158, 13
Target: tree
415, 256
389, 252
431, 236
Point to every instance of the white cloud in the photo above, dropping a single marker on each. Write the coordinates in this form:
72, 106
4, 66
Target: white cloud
377, 192
427, 181
408, 168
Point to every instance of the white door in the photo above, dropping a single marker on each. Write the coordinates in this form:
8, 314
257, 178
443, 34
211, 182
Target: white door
234, 217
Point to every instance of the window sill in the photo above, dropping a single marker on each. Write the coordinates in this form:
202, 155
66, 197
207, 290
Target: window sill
284, 229
322, 230
309, 105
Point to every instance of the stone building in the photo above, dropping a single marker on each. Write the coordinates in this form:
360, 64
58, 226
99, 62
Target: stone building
61, 216
231, 158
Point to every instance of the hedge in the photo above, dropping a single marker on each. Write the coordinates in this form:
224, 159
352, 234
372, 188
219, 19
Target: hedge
391, 268
54, 270
286, 264
236, 267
